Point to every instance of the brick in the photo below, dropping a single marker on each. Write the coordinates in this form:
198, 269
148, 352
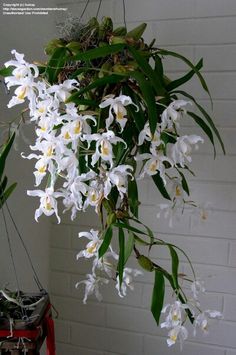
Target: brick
217, 278
215, 55
217, 8
63, 349
60, 236
124, 342
74, 310
208, 169
84, 335
218, 224
153, 11
114, 341
59, 283
232, 254
229, 310
62, 331
231, 352
131, 319
195, 31
196, 248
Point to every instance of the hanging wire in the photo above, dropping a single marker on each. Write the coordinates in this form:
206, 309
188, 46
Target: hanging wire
99, 6
10, 249
124, 13
83, 12
36, 278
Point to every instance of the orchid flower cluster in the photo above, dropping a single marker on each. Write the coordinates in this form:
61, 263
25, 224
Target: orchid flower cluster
100, 126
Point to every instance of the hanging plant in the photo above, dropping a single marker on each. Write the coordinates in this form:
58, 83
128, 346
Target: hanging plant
105, 115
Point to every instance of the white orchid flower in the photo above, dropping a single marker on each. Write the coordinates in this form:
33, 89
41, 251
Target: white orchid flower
182, 149
48, 202
177, 191
23, 91
43, 108
92, 286
95, 195
117, 105
179, 332
127, 282
76, 190
21, 71
72, 131
154, 163
197, 287
172, 114
105, 265
92, 247
146, 135
202, 320
42, 168
63, 91
104, 143
118, 177
175, 314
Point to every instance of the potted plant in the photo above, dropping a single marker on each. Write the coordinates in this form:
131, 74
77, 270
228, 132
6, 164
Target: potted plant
25, 319
105, 114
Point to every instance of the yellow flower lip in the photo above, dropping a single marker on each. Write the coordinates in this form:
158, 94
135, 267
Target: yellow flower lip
48, 205
77, 128
67, 135
92, 248
42, 169
173, 337
22, 94
104, 149
119, 115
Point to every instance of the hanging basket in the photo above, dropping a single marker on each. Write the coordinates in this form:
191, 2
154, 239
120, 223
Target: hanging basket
26, 334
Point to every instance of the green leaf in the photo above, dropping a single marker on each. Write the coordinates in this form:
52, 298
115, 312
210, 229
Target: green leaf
56, 64
99, 52
204, 127
133, 197
86, 102
137, 32
121, 261
158, 295
177, 55
159, 69
160, 185
129, 246
106, 241
4, 153
175, 266
149, 98
3, 185
178, 82
205, 114
6, 194
184, 182
110, 79
148, 71
140, 240
6, 71
128, 227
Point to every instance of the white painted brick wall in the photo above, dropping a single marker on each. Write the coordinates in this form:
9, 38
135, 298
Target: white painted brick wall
196, 28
